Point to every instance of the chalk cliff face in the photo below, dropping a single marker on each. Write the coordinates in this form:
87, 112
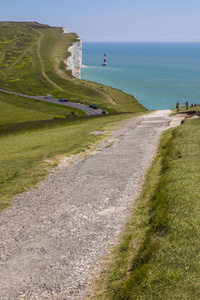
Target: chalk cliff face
65, 30
74, 62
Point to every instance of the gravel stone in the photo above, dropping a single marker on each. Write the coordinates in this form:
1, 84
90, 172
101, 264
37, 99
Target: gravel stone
54, 236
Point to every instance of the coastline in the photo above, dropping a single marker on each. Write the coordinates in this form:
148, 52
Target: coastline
83, 67
74, 61
158, 75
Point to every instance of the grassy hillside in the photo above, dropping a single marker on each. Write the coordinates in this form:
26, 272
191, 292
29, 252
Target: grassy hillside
16, 109
29, 150
158, 256
31, 62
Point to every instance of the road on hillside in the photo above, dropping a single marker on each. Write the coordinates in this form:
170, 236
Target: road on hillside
89, 111
54, 236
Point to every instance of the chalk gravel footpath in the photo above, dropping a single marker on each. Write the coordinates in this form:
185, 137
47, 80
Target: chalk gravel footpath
54, 236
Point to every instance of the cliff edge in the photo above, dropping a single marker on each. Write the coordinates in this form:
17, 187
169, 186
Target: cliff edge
74, 62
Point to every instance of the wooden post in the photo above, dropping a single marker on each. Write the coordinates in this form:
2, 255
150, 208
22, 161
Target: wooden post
177, 106
187, 105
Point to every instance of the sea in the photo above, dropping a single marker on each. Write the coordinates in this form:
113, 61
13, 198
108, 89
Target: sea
158, 74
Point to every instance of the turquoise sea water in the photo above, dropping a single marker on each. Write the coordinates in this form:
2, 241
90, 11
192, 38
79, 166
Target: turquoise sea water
157, 74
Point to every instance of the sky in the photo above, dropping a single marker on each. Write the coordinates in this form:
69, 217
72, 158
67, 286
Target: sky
113, 20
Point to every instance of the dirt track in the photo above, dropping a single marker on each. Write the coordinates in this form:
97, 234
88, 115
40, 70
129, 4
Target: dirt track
53, 236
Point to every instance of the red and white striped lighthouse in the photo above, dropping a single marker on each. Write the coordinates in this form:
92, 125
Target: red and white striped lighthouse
104, 61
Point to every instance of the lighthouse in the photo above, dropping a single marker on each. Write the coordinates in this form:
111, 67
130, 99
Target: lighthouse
104, 61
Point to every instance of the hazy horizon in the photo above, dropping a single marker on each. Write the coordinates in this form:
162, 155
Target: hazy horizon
113, 21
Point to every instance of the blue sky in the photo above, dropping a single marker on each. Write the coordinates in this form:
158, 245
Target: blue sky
113, 20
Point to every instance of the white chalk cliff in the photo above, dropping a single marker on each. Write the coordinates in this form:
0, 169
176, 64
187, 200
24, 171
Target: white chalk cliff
74, 62
65, 30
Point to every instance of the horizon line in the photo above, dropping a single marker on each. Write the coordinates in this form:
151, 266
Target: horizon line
147, 42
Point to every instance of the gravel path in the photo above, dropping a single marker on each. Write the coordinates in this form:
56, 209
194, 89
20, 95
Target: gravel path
53, 236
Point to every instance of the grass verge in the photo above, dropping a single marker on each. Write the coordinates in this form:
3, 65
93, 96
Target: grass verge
190, 109
30, 152
158, 255
16, 109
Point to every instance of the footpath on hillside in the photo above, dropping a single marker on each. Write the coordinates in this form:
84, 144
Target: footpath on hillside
54, 236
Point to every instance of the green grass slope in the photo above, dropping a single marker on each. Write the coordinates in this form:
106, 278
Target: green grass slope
28, 151
158, 256
16, 109
31, 62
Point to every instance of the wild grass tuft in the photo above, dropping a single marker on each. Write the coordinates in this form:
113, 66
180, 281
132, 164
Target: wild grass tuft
160, 257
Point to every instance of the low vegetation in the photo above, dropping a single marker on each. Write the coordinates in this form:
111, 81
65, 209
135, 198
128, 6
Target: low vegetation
34, 134
16, 109
191, 109
32, 62
28, 151
158, 256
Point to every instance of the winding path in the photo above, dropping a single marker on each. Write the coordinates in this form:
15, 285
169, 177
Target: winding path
53, 236
89, 111
86, 109
41, 62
